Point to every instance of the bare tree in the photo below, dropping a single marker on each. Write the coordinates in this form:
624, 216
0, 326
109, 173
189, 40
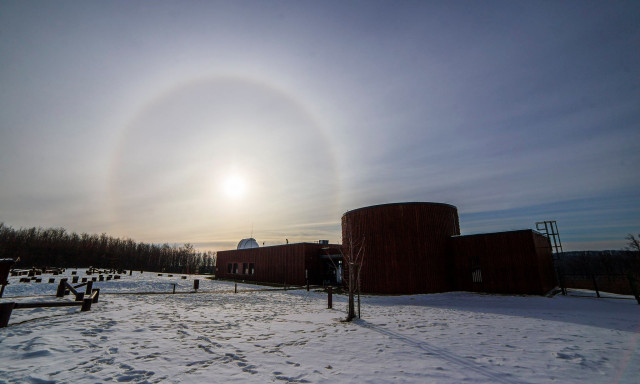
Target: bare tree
634, 243
633, 263
353, 257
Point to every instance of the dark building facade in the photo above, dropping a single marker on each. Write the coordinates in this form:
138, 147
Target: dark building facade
408, 248
405, 245
504, 262
287, 264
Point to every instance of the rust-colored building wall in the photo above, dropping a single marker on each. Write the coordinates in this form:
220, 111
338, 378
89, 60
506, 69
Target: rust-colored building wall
544, 253
509, 262
406, 246
409, 248
280, 264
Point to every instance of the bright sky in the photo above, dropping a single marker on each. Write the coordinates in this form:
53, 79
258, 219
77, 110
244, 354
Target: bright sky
206, 122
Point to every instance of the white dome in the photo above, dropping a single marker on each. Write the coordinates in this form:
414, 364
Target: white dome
248, 243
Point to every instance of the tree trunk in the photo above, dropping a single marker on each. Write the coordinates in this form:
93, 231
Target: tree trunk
351, 313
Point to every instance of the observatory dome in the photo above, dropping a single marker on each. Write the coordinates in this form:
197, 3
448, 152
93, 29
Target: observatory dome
248, 243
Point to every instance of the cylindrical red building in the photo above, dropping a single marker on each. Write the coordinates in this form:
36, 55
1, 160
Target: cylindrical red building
404, 245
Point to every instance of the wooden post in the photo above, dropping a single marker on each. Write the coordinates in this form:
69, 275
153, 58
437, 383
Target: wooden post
595, 285
196, 284
74, 279
563, 285
235, 288
86, 304
2, 289
80, 296
95, 295
61, 288
174, 287
89, 288
5, 313
330, 298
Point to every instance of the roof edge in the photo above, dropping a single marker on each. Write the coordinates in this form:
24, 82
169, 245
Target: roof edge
499, 232
402, 203
280, 245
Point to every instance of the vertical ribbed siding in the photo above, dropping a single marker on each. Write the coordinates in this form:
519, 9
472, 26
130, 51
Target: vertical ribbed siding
545, 262
510, 262
281, 264
405, 245
409, 248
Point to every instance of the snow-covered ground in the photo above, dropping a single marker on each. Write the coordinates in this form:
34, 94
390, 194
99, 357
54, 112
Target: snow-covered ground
260, 336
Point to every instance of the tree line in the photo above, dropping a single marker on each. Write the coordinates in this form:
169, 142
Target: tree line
618, 262
589, 263
55, 247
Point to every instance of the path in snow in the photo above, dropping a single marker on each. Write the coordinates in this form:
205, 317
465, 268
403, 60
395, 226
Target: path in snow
441, 353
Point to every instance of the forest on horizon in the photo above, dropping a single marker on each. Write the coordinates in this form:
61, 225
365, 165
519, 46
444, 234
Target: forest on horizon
55, 247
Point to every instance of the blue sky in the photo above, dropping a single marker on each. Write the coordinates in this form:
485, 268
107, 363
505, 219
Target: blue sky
131, 118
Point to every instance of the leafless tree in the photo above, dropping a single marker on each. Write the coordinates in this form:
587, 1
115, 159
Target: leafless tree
353, 257
634, 243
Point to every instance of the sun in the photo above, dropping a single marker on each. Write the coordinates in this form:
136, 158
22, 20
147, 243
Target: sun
235, 186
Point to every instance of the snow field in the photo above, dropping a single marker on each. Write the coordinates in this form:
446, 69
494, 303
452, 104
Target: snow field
290, 336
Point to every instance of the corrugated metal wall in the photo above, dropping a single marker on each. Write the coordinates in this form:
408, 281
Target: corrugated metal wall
281, 264
508, 262
405, 245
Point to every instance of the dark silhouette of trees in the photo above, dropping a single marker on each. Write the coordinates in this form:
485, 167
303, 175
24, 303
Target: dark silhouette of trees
587, 263
616, 271
633, 243
55, 247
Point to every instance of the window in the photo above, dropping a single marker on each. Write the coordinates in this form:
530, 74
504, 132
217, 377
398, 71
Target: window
235, 268
252, 269
476, 275
245, 268
229, 268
